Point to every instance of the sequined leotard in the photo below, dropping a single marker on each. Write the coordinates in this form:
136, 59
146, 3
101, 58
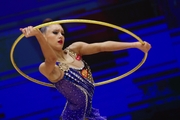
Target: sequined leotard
77, 87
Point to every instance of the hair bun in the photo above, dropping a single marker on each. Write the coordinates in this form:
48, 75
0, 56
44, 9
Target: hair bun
47, 20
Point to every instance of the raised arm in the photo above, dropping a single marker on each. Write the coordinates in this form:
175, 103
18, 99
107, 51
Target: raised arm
46, 68
87, 49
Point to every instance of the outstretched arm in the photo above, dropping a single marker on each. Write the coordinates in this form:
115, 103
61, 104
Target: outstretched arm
87, 49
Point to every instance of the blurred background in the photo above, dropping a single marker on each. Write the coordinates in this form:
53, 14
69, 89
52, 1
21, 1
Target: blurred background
151, 93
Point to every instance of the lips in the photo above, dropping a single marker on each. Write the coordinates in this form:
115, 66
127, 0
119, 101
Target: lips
60, 42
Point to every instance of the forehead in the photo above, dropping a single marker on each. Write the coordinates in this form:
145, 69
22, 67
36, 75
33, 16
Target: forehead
54, 27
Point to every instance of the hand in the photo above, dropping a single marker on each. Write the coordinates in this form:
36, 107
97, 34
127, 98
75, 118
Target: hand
143, 47
29, 31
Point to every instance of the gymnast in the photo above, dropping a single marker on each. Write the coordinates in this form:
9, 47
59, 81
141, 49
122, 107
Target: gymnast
69, 73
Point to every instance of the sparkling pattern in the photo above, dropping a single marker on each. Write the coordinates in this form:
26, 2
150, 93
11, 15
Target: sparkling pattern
84, 73
78, 91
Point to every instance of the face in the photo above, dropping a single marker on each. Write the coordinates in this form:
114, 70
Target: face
55, 36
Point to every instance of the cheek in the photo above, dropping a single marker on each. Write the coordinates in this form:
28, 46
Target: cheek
51, 38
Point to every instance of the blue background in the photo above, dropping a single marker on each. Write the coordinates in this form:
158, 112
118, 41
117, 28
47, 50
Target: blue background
151, 93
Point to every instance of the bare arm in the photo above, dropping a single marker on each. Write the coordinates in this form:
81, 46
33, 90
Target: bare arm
47, 68
87, 49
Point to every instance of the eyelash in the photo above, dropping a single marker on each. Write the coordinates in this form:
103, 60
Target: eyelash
57, 33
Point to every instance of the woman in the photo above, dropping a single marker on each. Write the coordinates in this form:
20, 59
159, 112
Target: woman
69, 73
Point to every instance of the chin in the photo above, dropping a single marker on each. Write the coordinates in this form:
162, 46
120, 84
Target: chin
59, 48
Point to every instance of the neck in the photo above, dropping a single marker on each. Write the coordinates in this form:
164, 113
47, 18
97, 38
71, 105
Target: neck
64, 57
60, 55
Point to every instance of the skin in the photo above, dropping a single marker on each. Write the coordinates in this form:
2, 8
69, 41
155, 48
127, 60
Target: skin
52, 41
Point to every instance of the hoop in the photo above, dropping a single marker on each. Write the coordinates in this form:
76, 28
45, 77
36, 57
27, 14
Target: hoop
80, 21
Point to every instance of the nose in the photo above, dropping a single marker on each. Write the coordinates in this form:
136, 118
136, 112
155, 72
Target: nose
60, 35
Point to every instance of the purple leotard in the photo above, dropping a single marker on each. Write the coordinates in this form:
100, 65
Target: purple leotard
78, 91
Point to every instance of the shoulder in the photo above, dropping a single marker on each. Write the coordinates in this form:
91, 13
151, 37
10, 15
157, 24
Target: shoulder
77, 46
53, 76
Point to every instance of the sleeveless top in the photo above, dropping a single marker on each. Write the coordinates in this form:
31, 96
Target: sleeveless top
77, 87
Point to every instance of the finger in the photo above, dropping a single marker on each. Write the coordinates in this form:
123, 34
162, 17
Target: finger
28, 30
23, 31
144, 43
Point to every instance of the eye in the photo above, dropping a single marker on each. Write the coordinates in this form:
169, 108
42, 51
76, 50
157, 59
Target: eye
54, 32
62, 33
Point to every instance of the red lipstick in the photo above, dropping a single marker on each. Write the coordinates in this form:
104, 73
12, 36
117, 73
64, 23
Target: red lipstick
60, 42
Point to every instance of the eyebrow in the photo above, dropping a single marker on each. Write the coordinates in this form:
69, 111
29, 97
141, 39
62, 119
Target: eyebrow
59, 30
